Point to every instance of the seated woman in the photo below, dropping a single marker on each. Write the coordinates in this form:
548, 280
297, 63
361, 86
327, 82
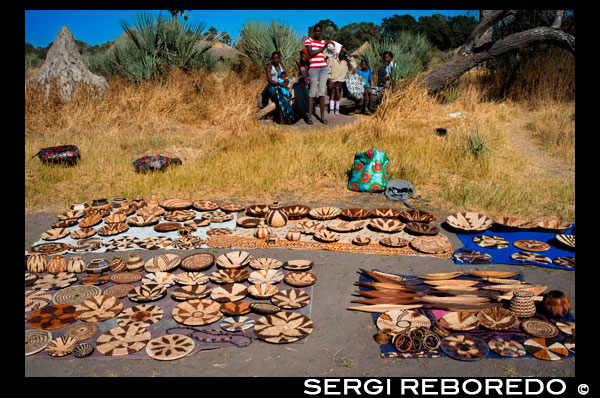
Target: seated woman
284, 109
368, 97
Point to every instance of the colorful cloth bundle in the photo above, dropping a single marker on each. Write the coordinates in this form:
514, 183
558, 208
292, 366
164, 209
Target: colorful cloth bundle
65, 154
370, 171
154, 162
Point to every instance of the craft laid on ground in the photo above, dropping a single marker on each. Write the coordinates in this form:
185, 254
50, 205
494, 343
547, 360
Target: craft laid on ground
197, 262
113, 229
159, 278
309, 227
122, 243
151, 211
237, 324
556, 304
569, 343
57, 264
194, 292
539, 328
175, 204
346, 226
232, 207
276, 217
237, 259
30, 278
283, 327
325, 213
465, 348
248, 222
567, 240
235, 308
420, 228
99, 309
147, 292
385, 213
36, 263
459, 321
162, 263
83, 233
262, 290
494, 274
155, 242
361, 240
55, 316
546, 350
142, 315
469, 221
265, 263
94, 279
441, 275
233, 275
75, 295
196, 223
55, 233
71, 214
125, 277
418, 216
123, 340
531, 245
48, 248
567, 328
58, 281
291, 298
134, 263
472, 256
90, 221
118, 291
400, 321
229, 292
295, 212
97, 266
115, 219
431, 244
387, 224
69, 222
83, 350
60, 346
491, 242
36, 341
257, 210
355, 214
327, 236
507, 348
393, 241
36, 299
141, 221
218, 231
167, 226
170, 347
298, 265
221, 241
533, 257
179, 215
205, 205
82, 331
514, 223
271, 276
497, 318
197, 312
554, 225
86, 245
300, 279
522, 303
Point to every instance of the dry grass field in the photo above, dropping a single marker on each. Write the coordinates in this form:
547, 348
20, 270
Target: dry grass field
504, 158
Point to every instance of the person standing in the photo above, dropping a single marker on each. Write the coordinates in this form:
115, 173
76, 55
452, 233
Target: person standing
368, 97
317, 71
385, 71
338, 70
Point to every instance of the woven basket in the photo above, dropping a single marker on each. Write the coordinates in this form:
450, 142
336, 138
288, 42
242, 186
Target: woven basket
522, 304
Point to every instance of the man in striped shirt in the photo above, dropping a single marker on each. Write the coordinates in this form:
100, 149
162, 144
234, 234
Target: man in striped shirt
317, 71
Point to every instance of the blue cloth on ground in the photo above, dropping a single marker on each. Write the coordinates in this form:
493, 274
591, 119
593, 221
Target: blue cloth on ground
502, 256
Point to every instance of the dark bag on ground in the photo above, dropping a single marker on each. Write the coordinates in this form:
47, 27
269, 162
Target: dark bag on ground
401, 191
154, 163
64, 154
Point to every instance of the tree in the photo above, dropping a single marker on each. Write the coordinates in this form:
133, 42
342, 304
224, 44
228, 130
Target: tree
211, 33
482, 45
461, 27
436, 29
226, 38
175, 13
355, 34
392, 26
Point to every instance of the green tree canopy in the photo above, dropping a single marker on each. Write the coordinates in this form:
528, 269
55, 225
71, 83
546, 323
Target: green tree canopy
461, 27
437, 30
355, 34
392, 26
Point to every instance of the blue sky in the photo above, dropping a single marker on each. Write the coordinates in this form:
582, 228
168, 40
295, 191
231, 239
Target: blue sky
99, 26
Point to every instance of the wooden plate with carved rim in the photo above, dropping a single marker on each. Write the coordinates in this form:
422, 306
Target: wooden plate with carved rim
533, 257
205, 205
69, 222
564, 261
387, 212
175, 204
83, 233
387, 224
554, 225
300, 279
90, 221
191, 278
147, 292
431, 244
113, 229
539, 328
179, 215
309, 227
325, 213
262, 290
418, 216
298, 265
531, 245
393, 241
237, 324
567, 240
472, 256
115, 218
355, 214
68, 215
248, 222
291, 298
55, 233
514, 223
197, 312
420, 228
257, 210
497, 318
237, 259
283, 327
197, 262
296, 212
229, 292
167, 226
170, 347
271, 276
235, 308
194, 292
459, 321
346, 226
224, 276
469, 221
265, 263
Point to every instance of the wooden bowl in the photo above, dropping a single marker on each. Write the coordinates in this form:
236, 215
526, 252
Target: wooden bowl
418, 216
325, 213
355, 214
385, 213
421, 228
295, 212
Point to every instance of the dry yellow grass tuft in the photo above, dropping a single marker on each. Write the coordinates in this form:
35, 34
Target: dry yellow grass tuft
206, 120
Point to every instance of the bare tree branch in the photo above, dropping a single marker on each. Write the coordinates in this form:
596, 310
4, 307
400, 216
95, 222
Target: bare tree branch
481, 30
